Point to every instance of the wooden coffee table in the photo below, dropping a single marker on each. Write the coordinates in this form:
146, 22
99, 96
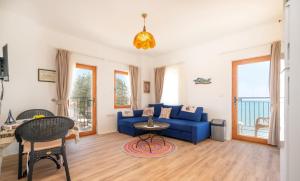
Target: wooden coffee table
152, 132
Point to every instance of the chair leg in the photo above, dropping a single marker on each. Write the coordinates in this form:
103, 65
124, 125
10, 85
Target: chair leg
20, 162
57, 157
66, 164
55, 161
31, 162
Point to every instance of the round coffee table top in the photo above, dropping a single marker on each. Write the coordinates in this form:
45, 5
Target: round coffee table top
157, 126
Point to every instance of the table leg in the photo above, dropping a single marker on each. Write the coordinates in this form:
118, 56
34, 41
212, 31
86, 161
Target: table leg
157, 135
144, 140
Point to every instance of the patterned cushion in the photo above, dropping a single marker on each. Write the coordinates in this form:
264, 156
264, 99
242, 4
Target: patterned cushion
165, 113
190, 109
175, 110
191, 113
127, 113
149, 111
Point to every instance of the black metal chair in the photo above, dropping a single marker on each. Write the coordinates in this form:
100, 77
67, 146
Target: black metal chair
49, 129
28, 115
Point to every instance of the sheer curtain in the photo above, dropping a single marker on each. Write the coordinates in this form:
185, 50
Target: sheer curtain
170, 95
159, 82
274, 134
134, 76
62, 81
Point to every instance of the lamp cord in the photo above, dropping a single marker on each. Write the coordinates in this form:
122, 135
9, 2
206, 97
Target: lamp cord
144, 15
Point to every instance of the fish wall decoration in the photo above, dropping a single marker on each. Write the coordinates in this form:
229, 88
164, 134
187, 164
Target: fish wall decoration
202, 81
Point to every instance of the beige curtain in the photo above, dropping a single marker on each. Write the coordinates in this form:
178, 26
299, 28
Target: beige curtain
274, 133
159, 82
62, 82
134, 75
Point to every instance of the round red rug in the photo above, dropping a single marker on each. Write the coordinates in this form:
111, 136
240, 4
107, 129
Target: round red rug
142, 150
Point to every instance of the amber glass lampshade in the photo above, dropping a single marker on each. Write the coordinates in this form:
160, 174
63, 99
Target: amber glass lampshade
144, 39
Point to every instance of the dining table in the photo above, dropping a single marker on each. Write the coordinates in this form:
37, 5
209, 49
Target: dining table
7, 135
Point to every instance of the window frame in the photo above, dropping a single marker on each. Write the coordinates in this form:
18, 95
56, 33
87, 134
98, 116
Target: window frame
115, 93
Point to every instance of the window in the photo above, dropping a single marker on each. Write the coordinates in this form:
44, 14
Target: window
170, 93
82, 107
122, 90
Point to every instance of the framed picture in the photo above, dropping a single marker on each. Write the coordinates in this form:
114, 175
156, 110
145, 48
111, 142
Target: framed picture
45, 75
147, 87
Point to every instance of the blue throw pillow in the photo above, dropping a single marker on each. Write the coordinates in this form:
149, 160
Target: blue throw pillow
157, 109
138, 113
191, 116
175, 110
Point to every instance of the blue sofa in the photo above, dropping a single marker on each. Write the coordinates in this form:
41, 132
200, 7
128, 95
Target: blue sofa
193, 127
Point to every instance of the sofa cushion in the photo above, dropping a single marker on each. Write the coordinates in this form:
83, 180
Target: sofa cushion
148, 111
127, 113
138, 113
175, 110
191, 116
131, 121
179, 124
165, 113
157, 108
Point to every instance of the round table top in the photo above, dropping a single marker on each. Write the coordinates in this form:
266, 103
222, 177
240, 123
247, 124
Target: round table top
157, 126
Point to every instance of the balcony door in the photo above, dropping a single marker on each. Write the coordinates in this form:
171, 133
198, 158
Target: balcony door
82, 102
250, 99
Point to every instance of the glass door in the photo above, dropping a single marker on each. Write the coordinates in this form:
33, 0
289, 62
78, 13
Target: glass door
82, 102
251, 100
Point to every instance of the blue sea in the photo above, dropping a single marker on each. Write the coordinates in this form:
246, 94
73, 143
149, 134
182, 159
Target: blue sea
249, 109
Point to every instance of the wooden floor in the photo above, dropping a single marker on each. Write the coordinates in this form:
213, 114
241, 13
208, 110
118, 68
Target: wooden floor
102, 158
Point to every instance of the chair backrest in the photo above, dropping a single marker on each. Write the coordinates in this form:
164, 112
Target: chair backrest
45, 129
262, 121
32, 112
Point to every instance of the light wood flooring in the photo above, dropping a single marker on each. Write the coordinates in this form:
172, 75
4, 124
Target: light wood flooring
102, 158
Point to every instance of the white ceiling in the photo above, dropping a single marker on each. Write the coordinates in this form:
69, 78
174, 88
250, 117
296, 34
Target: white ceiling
174, 23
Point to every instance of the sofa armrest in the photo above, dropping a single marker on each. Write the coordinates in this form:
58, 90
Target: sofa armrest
204, 117
201, 131
119, 116
136, 113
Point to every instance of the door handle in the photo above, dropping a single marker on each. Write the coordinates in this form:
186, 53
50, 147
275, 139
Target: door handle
94, 101
235, 100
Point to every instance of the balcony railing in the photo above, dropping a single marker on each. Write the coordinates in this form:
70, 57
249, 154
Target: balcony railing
80, 109
250, 109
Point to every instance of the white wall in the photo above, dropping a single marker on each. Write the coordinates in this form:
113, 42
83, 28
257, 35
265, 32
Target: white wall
31, 46
147, 74
290, 158
213, 60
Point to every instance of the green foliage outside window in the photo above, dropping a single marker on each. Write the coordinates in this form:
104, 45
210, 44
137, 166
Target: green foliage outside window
81, 93
122, 95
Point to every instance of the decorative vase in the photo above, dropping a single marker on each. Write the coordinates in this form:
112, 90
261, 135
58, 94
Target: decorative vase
150, 122
10, 119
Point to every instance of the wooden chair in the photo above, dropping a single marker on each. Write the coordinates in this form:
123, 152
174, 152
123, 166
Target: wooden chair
261, 122
45, 138
28, 115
